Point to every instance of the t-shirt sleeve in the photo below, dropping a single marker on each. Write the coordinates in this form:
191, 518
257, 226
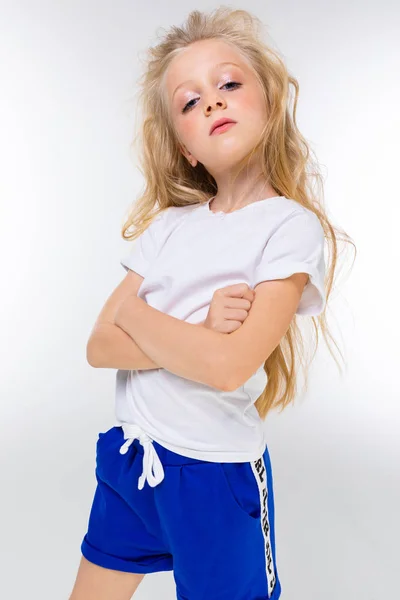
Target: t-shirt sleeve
145, 247
297, 246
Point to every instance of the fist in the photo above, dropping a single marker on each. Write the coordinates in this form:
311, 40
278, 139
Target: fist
229, 308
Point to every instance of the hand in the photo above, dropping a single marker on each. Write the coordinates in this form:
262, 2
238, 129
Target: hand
229, 308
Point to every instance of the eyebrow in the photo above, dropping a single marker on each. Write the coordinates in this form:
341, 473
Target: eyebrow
217, 65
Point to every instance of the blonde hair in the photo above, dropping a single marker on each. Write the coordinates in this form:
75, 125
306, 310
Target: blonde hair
285, 160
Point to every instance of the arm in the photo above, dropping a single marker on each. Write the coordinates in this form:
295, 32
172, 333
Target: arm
108, 345
190, 351
113, 348
271, 313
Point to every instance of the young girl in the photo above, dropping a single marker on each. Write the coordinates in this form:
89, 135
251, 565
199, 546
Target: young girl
203, 327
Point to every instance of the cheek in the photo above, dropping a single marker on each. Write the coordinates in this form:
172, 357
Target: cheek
254, 105
188, 129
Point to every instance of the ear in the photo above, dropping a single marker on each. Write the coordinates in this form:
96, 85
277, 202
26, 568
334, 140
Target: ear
191, 159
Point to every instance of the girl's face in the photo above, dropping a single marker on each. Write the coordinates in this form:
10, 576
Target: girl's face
200, 90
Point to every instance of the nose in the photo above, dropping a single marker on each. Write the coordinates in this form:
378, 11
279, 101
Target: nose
218, 103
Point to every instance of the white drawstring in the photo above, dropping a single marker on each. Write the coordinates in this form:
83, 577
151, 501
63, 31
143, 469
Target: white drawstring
152, 466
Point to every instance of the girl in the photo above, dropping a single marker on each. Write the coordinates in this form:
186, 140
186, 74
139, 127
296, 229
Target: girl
203, 327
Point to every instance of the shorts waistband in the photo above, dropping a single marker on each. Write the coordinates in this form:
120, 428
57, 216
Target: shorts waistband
152, 466
152, 452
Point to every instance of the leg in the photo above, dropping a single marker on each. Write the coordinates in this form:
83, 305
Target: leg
219, 520
97, 583
124, 529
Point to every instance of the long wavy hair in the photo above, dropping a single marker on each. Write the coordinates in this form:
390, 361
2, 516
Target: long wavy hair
285, 159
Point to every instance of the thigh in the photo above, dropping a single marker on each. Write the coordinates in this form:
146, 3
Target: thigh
220, 521
123, 531
97, 583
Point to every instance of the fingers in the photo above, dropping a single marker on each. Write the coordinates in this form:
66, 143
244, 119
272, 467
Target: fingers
237, 291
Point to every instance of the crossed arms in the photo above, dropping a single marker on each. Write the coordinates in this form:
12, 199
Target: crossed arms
152, 339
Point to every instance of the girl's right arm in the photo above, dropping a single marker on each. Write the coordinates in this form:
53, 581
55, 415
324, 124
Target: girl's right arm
108, 345
112, 348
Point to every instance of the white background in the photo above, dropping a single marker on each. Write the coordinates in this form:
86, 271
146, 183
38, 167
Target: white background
67, 178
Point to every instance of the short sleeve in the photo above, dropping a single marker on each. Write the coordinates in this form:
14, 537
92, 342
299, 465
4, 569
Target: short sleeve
145, 247
297, 246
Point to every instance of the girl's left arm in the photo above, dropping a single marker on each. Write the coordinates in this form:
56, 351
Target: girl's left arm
190, 351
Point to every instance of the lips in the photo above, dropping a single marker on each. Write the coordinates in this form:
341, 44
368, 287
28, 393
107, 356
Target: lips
220, 122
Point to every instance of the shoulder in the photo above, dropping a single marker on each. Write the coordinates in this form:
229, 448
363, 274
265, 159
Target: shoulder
290, 207
300, 219
169, 217
174, 212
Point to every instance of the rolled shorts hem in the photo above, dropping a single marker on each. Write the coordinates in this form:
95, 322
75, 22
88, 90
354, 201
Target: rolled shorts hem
120, 564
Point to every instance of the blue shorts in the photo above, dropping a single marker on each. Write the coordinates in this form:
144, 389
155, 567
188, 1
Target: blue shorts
212, 524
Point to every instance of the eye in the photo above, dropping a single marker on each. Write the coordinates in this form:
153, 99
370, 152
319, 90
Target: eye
188, 106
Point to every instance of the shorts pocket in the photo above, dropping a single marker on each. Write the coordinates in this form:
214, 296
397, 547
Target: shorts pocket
242, 488
107, 444
107, 451
102, 434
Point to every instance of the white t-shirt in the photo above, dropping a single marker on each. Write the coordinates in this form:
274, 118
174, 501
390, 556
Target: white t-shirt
184, 256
